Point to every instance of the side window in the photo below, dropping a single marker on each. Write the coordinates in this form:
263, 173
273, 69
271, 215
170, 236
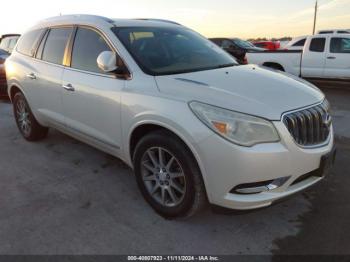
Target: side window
226, 44
55, 45
261, 45
27, 43
216, 41
300, 42
4, 43
12, 43
88, 45
340, 45
317, 44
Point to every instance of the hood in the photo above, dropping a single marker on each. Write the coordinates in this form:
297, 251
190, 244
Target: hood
248, 89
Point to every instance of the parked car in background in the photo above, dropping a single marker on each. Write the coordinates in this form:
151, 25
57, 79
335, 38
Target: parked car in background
324, 57
3, 84
179, 110
296, 43
236, 47
269, 45
8, 42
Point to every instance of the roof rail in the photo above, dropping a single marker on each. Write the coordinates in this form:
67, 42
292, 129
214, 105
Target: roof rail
76, 16
333, 31
158, 20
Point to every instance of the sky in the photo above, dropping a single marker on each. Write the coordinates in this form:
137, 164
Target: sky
220, 18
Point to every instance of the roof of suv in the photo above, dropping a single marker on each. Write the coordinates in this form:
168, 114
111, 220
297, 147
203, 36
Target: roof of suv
331, 34
333, 31
100, 20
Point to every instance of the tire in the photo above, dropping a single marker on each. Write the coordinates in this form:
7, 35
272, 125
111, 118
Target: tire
28, 126
179, 171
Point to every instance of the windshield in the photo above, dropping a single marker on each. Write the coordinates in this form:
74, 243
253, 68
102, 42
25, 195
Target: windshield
242, 43
164, 51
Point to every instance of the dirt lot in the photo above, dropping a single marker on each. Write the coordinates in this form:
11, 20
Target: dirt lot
63, 197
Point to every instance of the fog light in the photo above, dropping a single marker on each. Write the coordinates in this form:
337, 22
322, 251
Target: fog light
278, 182
259, 187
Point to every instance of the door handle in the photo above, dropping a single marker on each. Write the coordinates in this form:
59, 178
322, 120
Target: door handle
31, 76
331, 57
69, 87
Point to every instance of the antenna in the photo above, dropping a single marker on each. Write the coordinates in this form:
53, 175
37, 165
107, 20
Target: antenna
315, 16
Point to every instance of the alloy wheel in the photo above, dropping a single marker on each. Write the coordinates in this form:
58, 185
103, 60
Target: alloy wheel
163, 176
23, 118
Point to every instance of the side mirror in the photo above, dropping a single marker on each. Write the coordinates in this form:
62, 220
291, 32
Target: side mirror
107, 61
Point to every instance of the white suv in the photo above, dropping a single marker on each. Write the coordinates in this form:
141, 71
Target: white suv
193, 124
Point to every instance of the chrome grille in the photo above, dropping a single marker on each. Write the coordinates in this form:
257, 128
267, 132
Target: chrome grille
311, 126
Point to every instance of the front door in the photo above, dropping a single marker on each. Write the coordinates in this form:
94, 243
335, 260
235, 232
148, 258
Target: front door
91, 98
45, 75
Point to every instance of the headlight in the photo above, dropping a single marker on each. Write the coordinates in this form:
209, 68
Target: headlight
236, 127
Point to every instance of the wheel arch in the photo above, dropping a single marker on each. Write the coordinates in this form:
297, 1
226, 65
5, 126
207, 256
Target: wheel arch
13, 89
144, 128
141, 129
274, 65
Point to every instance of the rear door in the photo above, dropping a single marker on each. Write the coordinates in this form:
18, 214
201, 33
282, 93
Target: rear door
314, 57
91, 98
338, 58
46, 72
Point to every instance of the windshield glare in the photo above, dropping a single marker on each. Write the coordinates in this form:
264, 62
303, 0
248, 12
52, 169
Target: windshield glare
162, 51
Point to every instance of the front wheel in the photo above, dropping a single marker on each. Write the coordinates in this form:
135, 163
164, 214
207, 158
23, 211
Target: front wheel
168, 176
29, 127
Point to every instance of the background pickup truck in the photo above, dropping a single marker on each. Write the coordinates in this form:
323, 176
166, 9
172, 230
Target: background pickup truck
325, 57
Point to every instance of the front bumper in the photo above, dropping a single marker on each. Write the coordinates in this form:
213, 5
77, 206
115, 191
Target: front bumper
225, 166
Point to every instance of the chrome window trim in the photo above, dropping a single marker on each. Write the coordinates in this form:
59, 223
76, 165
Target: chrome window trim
108, 41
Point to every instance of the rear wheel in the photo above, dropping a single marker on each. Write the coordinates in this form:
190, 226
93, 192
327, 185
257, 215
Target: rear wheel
29, 127
168, 176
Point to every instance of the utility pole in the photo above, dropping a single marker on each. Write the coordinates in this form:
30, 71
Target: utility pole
315, 16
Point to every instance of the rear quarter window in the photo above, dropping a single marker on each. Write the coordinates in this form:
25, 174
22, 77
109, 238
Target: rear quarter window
300, 42
27, 43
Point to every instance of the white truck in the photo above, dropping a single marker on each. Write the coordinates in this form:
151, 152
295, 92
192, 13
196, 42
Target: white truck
325, 57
